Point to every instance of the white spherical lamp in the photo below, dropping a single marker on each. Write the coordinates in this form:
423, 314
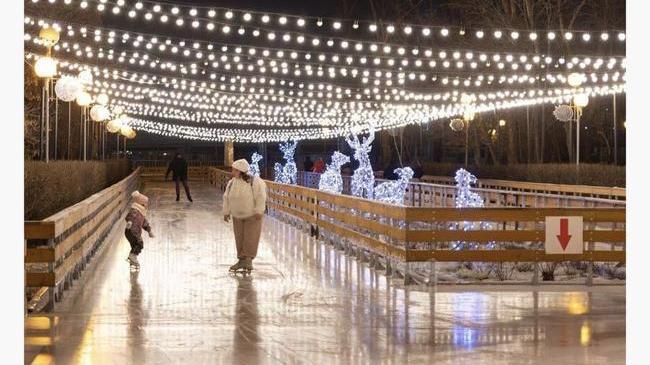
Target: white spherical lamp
102, 99
45, 67
502, 123
67, 88
99, 113
84, 99
118, 110
86, 77
113, 126
563, 113
575, 79
457, 124
581, 100
49, 36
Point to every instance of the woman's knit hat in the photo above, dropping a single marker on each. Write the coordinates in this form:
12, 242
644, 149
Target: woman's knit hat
140, 198
241, 165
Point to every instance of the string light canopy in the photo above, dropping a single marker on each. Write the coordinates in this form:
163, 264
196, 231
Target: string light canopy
253, 76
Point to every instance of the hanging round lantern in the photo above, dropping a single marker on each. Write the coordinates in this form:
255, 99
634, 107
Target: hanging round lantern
114, 126
99, 113
45, 67
563, 113
102, 99
67, 88
86, 77
118, 110
131, 134
457, 124
84, 99
125, 130
575, 79
49, 36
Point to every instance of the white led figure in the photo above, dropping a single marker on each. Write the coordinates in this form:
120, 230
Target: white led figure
392, 192
279, 173
255, 167
363, 178
464, 197
290, 171
331, 179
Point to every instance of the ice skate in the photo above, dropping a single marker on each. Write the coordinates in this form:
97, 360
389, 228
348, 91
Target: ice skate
133, 261
241, 267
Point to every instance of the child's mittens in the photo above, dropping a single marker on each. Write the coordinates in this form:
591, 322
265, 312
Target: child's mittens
151, 234
129, 224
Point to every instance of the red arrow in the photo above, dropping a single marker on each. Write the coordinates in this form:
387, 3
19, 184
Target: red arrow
564, 237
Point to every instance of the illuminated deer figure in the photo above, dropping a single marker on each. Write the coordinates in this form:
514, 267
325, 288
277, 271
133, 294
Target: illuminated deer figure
331, 179
363, 179
289, 170
254, 169
279, 173
393, 191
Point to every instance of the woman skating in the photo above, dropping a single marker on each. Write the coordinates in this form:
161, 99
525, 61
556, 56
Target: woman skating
245, 200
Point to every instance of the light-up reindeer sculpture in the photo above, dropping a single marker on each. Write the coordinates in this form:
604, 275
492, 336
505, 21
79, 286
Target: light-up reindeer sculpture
331, 179
393, 191
255, 167
290, 171
363, 178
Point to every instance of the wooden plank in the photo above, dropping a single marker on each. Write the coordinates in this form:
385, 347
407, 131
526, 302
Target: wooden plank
34, 255
39, 230
362, 222
512, 214
510, 256
38, 279
365, 241
475, 236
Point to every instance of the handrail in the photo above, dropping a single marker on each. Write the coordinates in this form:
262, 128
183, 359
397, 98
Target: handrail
404, 236
60, 246
427, 194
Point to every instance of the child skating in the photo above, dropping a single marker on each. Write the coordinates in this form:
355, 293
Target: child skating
136, 221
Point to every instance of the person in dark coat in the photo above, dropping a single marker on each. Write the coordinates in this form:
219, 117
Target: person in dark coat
178, 168
309, 164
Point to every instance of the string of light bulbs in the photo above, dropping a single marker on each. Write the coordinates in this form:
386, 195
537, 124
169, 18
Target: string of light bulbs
200, 17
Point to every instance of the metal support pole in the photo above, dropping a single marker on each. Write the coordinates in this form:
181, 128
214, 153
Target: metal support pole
69, 125
528, 133
85, 132
56, 128
466, 141
117, 149
615, 131
47, 121
578, 115
103, 134
41, 125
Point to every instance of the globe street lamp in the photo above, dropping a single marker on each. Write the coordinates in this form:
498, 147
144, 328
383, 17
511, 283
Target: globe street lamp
45, 68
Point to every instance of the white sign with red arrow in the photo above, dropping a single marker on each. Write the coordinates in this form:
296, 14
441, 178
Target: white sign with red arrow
564, 235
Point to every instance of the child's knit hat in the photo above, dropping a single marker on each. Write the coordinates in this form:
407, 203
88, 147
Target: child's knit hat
140, 198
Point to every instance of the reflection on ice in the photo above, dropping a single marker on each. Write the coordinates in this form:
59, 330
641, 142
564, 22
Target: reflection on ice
307, 302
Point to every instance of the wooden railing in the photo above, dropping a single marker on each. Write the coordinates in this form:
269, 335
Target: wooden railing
59, 247
509, 194
602, 192
410, 240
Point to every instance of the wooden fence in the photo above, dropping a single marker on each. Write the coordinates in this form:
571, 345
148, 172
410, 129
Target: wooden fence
411, 240
59, 247
498, 193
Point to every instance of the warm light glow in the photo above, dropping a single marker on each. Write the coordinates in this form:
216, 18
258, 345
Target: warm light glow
102, 99
575, 79
45, 67
502, 123
581, 100
84, 99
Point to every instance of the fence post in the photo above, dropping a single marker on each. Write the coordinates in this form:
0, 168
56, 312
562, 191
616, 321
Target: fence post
590, 266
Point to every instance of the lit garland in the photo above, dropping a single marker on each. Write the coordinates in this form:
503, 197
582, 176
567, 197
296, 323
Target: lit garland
226, 19
254, 168
331, 179
363, 178
392, 192
370, 68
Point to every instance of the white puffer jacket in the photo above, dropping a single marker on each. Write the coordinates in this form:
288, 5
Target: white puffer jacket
243, 200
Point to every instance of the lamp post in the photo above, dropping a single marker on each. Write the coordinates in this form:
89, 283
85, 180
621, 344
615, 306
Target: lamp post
45, 68
579, 101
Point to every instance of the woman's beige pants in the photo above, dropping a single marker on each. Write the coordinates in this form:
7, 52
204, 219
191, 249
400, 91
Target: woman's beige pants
247, 236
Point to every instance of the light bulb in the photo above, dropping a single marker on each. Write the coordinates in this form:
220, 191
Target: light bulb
45, 67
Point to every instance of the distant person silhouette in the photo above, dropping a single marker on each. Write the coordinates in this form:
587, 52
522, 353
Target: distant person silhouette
319, 166
308, 165
178, 167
